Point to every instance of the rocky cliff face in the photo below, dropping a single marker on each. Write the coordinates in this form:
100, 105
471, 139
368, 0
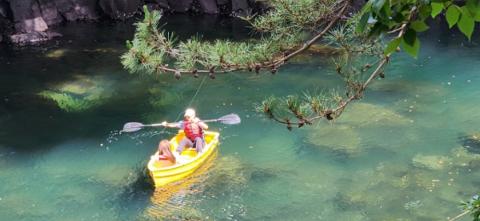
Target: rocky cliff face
29, 21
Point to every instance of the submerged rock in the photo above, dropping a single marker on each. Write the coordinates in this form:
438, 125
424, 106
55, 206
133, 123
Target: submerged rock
228, 172
161, 97
432, 162
471, 142
32, 38
262, 175
462, 157
337, 138
81, 94
57, 53
403, 87
412, 204
364, 114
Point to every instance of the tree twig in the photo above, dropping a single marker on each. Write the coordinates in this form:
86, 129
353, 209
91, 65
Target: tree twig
460, 215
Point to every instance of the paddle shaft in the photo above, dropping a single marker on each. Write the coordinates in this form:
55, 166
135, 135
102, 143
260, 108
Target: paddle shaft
135, 126
158, 125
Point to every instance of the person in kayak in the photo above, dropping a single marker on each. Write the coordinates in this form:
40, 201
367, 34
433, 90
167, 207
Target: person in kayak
193, 128
165, 155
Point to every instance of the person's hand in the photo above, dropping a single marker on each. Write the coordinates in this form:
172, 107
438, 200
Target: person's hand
196, 120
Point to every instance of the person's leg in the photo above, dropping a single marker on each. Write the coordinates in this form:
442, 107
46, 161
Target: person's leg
184, 142
199, 143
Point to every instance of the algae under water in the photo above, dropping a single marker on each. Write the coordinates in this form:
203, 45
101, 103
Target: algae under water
395, 155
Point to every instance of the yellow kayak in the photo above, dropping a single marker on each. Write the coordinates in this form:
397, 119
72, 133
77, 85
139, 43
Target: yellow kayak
187, 162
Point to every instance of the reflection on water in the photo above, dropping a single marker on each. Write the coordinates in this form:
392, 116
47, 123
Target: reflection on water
408, 151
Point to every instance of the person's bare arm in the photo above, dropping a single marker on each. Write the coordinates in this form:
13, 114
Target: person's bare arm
201, 124
171, 125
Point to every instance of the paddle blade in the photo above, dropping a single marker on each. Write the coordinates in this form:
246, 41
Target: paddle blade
230, 119
132, 127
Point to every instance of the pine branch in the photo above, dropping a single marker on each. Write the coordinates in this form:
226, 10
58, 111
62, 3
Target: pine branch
152, 52
331, 113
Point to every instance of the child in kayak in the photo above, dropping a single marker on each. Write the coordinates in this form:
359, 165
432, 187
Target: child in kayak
165, 156
193, 128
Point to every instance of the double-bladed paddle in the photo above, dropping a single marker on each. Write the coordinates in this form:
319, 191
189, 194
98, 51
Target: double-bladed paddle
136, 126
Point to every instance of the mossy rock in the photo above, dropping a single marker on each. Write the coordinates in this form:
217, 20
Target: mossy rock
418, 89
432, 162
161, 97
81, 85
170, 212
57, 53
394, 174
426, 180
471, 142
229, 171
462, 157
365, 114
336, 138
81, 94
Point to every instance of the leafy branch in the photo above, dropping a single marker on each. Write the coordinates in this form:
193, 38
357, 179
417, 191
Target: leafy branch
290, 28
472, 207
283, 31
393, 16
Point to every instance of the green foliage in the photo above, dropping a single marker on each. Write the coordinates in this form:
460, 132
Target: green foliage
453, 14
393, 45
466, 23
69, 103
419, 26
473, 207
302, 108
282, 29
437, 8
411, 43
389, 16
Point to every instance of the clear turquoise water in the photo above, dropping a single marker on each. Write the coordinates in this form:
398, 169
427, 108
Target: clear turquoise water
395, 155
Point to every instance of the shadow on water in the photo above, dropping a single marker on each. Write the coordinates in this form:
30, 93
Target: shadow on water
136, 194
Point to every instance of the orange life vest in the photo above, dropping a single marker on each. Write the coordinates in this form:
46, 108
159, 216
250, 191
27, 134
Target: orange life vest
192, 130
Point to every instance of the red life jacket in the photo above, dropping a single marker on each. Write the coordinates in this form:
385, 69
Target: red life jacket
192, 130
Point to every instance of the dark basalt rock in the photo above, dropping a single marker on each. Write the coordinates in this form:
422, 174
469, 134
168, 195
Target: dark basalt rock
27, 16
471, 142
240, 7
119, 9
73, 10
180, 5
32, 37
208, 6
49, 11
5, 9
31, 19
159, 3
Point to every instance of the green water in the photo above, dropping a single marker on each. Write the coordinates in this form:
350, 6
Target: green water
395, 155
